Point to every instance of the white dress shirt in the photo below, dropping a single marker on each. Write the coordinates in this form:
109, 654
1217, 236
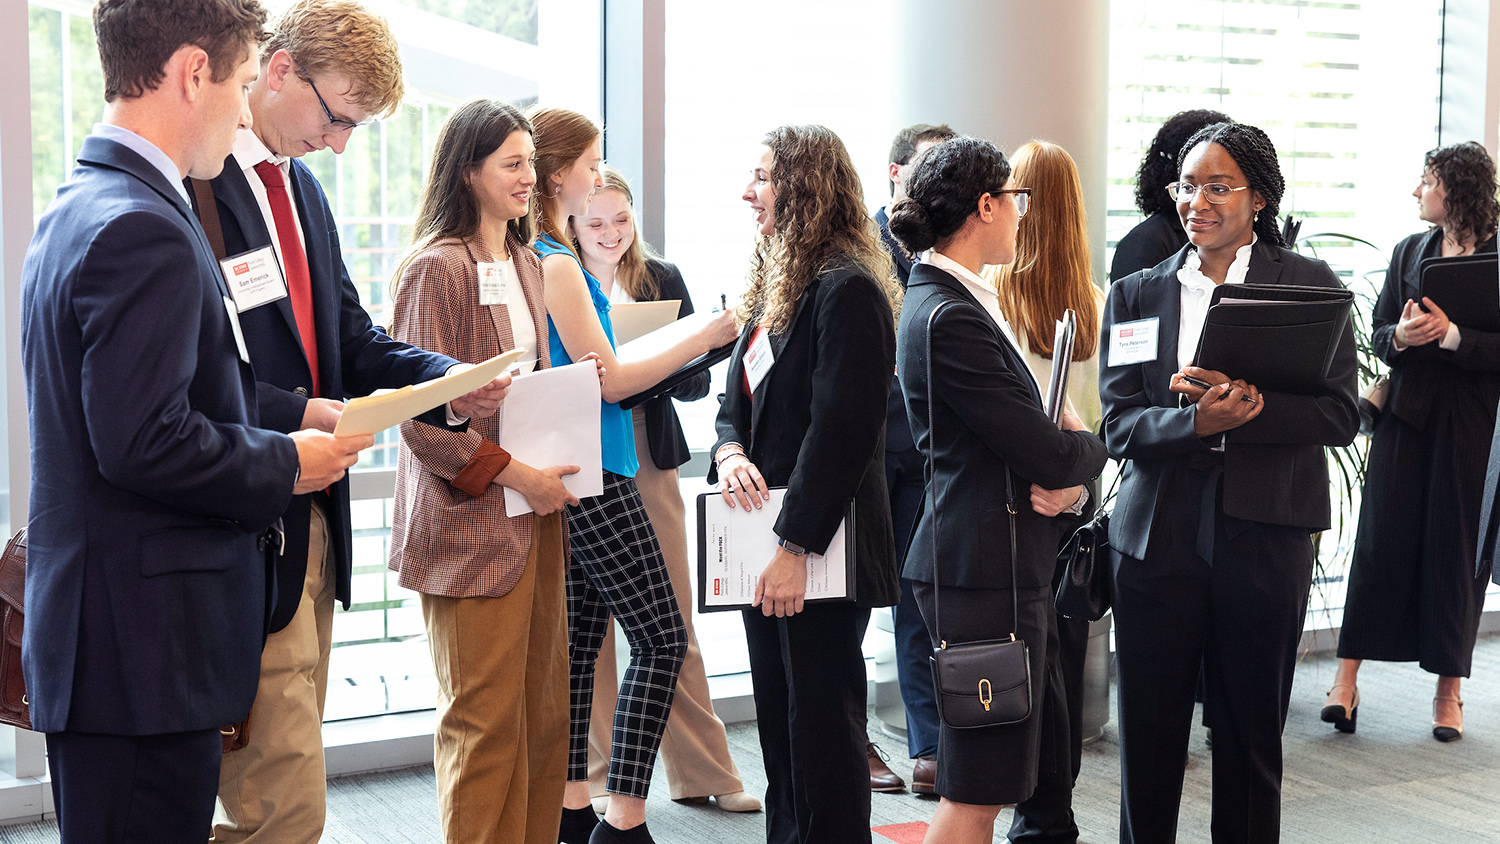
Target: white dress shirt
1197, 290
248, 152
522, 330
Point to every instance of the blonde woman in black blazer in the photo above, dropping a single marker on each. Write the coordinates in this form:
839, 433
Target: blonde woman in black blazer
988, 427
812, 420
1221, 492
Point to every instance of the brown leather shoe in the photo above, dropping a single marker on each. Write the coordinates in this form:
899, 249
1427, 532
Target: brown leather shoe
924, 775
882, 778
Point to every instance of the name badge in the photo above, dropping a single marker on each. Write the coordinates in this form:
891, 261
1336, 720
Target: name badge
1134, 342
234, 323
254, 278
758, 359
494, 285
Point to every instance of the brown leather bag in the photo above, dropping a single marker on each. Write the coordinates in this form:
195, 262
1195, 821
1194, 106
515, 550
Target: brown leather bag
14, 708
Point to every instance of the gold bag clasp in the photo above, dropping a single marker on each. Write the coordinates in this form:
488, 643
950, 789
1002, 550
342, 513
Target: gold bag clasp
986, 694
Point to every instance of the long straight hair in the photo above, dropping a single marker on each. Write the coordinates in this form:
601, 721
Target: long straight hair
1051, 272
448, 207
561, 137
631, 273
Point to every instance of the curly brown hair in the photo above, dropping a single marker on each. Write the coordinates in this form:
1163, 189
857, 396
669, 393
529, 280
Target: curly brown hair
821, 223
1467, 173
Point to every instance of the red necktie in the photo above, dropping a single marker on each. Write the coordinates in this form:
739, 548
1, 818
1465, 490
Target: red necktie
294, 260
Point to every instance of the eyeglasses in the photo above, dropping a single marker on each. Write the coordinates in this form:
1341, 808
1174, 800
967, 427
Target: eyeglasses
1022, 195
1213, 191
334, 124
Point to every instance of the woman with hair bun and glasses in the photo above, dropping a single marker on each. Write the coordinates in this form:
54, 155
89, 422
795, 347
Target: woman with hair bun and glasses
1221, 493
1412, 590
989, 439
617, 565
1160, 235
805, 410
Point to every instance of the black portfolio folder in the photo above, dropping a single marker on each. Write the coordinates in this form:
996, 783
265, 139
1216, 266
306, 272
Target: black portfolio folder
1466, 287
701, 363
1278, 337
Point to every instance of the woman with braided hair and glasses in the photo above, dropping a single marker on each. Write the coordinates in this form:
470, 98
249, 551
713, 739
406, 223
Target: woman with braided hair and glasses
1412, 590
1223, 487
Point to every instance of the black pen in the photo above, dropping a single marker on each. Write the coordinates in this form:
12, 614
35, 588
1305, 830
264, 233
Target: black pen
723, 302
1199, 382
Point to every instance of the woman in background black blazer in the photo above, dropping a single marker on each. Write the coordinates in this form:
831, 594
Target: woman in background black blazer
988, 430
1211, 532
811, 417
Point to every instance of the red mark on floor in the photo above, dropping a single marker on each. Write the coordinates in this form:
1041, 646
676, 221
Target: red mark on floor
903, 833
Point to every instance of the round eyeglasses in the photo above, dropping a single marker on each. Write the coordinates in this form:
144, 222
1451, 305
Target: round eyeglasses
1214, 192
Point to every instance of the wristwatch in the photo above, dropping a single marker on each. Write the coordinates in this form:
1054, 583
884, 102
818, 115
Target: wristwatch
792, 547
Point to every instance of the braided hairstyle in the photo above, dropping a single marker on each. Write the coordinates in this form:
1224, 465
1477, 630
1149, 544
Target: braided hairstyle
1253, 151
1159, 167
1467, 173
943, 190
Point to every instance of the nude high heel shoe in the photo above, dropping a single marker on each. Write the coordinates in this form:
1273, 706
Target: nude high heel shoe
1447, 732
1335, 714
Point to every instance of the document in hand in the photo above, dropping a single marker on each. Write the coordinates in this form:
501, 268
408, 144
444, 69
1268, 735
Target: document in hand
373, 414
1062, 359
665, 338
1279, 337
633, 320
551, 418
734, 547
1466, 287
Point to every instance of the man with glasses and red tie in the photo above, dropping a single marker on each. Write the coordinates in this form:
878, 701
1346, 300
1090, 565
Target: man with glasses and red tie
328, 67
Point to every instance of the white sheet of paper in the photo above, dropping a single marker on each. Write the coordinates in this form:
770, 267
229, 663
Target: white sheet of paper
632, 320
373, 414
740, 546
662, 338
551, 418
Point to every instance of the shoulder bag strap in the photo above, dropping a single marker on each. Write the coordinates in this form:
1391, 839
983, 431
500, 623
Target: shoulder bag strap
1010, 505
208, 215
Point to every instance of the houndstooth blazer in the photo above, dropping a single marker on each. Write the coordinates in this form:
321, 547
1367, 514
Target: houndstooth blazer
444, 541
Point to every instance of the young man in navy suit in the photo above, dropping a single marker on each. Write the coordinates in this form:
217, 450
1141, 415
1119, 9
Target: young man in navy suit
327, 68
153, 493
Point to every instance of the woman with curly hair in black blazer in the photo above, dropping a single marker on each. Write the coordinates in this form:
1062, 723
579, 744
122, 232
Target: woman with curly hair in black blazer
1412, 590
992, 448
1221, 493
805, 410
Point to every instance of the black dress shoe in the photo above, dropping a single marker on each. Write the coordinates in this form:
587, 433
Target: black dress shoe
882, 778
924, 775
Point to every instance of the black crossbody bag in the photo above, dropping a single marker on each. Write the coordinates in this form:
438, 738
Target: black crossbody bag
985, 683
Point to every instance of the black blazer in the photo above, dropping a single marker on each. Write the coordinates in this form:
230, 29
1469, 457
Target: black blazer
1427, 375
355, 358
1275, 470
145, 588
816, 423
669, 449
1153, 240
989, 420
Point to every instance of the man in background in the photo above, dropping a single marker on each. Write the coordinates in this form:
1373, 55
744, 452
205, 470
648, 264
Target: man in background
153, 494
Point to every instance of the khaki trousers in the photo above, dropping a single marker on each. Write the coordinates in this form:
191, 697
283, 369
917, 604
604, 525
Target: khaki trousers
501, 746
274, 789
694, 750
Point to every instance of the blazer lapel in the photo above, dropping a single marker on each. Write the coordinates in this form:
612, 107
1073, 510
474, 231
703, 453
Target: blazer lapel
233, 189
1265, 264
778, 345
1161, 294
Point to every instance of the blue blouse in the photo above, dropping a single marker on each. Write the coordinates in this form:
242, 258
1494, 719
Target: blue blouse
616, 430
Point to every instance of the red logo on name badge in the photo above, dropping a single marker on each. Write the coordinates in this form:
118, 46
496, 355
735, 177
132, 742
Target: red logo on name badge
241, 269
1127, 332
716, 586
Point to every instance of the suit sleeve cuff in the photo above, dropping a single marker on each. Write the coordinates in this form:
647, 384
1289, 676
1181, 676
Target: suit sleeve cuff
477, 475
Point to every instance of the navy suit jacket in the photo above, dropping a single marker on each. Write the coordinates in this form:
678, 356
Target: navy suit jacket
989, 420
1275, 469
355, 358
145, 589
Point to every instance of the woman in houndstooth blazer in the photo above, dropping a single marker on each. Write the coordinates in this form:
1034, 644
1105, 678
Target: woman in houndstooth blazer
491, 584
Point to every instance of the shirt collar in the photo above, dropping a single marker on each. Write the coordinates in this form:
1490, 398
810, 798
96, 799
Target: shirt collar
1192, 275
977, 285
250, 151
147, 150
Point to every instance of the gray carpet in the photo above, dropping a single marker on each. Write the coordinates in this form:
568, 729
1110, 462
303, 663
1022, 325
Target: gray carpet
1389, 782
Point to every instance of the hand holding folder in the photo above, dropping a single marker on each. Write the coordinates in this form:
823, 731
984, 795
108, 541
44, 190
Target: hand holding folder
373, 414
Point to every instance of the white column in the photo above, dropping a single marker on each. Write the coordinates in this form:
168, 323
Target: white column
635, 115
1010, 71
1470, 106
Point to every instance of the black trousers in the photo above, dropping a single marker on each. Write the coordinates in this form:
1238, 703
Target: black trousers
1240, 618
809, 678
157, 789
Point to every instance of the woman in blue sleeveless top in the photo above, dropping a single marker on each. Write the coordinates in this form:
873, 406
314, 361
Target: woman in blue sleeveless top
617, 564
